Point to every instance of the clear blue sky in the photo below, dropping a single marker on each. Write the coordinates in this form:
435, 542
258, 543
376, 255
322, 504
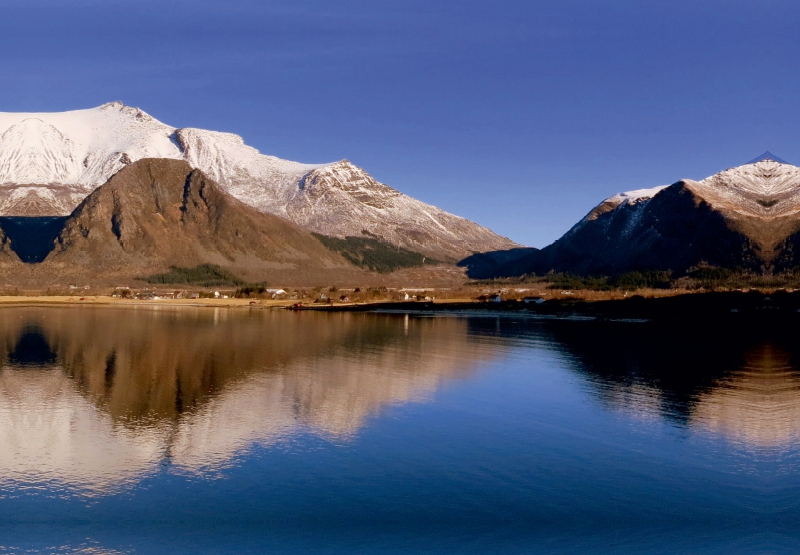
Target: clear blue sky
520, 115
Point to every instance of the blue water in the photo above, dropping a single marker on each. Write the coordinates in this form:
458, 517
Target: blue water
359, 433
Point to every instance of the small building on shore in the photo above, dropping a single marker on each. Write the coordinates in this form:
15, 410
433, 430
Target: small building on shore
532, 300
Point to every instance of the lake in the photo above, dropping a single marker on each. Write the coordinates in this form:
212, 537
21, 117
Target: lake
171, 430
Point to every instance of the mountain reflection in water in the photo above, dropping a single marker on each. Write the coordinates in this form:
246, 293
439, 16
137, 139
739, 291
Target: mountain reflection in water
192, 430
92, 398
758, 403
740, 384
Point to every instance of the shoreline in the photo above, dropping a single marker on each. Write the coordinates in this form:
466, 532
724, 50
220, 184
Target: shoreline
103, 300
708, 307
777, 306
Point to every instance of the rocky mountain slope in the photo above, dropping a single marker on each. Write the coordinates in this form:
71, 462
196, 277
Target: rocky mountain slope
746, 217
50, 162
157, 213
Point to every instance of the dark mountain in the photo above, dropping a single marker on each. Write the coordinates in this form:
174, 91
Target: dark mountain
32, 238
484, 265
744, 218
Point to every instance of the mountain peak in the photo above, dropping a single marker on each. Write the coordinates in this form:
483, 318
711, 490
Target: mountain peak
112, 105
51, 161
768, 156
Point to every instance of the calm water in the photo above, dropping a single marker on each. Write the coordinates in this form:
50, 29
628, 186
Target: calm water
232, 431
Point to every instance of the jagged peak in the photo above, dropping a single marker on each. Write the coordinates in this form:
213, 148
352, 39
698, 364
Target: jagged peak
116, 104
55, 174
343, 164
635, 196
767, 156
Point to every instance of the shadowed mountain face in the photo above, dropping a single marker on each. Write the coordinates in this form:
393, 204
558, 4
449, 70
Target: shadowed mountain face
157, 213
676, 230
483, 265
742, 218
32, 238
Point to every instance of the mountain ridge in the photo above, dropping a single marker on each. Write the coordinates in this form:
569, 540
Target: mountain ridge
50, 162
744, 218
157, 213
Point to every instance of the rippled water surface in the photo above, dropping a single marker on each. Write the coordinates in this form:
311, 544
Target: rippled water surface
234, 431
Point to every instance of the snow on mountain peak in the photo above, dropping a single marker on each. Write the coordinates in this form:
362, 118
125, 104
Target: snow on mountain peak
50, 162
81, 140
765, 188
635, 196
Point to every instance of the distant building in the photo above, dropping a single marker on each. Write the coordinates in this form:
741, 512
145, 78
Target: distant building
535, 300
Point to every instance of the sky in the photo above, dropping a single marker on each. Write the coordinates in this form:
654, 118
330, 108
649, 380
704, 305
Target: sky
519, 115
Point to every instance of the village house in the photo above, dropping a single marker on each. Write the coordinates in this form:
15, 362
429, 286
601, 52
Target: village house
535, 300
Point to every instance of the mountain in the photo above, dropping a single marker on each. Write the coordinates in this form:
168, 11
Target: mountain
157, 213
746, 217
767, 156
486, 265
50, 162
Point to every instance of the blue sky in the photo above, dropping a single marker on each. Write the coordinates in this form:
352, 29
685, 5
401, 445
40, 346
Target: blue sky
520, 115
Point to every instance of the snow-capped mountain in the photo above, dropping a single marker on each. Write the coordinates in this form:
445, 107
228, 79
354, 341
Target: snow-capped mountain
744, 217
50, 162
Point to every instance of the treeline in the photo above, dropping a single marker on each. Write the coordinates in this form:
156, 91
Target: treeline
204, 275
627, 281
373, 253
723, 278
250, 291
699, 277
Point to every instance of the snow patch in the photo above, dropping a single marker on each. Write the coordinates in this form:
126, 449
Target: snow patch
636, 196
49, 162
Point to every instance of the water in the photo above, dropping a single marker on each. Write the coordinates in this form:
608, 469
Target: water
178, 430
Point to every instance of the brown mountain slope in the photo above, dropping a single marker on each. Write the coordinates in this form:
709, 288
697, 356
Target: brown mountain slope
9, 261
157, 213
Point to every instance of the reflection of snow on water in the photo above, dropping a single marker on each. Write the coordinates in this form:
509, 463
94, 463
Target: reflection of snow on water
52, 434
758, 405
132, 391
755, 405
